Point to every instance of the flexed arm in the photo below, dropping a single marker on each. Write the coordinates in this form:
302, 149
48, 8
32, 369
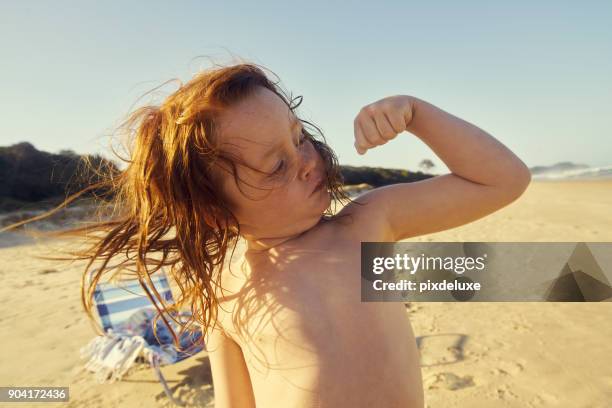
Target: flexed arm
485, 175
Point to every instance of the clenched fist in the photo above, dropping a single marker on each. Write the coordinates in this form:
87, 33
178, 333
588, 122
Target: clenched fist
381, 121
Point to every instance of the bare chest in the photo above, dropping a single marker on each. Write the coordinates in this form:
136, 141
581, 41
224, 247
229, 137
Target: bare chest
301, 325
301, 287
290, 307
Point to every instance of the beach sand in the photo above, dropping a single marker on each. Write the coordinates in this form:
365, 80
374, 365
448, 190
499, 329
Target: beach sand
473, 354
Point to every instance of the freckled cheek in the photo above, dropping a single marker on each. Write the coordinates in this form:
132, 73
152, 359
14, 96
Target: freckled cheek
289, 197
274, 210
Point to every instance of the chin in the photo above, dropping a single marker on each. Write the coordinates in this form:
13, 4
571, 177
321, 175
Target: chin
325, 203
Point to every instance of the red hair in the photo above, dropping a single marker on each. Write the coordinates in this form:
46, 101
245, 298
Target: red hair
167, 206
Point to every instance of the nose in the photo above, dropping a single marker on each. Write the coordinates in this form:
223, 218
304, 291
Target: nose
309, 160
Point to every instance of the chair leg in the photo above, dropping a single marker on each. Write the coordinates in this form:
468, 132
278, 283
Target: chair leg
162, 380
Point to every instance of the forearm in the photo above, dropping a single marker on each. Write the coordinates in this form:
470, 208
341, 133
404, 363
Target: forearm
468, 151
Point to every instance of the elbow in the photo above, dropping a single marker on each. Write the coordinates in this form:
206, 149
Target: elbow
523, 177
519, 181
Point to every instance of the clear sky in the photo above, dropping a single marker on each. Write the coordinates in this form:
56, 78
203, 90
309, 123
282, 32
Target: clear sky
536, 75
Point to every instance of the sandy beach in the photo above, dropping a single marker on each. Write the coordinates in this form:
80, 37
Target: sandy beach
473, 355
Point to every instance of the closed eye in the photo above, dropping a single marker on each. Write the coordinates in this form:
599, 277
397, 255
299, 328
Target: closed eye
280, 167
281, 164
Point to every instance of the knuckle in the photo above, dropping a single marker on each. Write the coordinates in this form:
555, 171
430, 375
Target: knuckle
368, 109
368, 138
388, 135
387, 105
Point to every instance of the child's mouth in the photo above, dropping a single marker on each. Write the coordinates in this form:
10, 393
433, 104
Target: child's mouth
318, 187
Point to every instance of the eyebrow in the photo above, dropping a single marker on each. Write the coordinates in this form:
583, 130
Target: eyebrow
295, 122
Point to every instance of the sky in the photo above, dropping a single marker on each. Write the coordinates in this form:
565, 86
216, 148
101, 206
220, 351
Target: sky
535, 75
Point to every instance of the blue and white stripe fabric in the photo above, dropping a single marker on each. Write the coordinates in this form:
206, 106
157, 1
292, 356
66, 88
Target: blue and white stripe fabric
127, 316
116, 303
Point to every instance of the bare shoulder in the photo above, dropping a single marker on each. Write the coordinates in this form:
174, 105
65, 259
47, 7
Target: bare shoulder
363, 219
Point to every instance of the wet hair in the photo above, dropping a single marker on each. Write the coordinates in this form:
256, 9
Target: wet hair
166, 208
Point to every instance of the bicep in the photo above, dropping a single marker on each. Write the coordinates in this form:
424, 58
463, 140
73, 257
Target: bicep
231, 381
436, 204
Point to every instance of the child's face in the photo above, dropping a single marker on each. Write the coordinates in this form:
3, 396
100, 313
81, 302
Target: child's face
262, 131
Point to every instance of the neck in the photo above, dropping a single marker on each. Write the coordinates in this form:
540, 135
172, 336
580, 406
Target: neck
261, 245
258, 244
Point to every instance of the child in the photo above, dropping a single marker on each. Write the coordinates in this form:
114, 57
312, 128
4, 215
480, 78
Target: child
293, 332
226, 157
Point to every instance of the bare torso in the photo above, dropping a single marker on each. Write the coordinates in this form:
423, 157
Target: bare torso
307, 339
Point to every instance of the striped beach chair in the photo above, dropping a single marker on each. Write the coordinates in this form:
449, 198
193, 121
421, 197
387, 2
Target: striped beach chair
126, 315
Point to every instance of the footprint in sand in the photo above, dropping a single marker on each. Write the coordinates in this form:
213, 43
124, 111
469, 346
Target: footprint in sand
440, 349
25, 284
412, 307
510, 367
448, 381
520, 327
544, 399
505, 393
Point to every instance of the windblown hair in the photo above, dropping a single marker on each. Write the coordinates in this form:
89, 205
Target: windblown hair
167, 206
